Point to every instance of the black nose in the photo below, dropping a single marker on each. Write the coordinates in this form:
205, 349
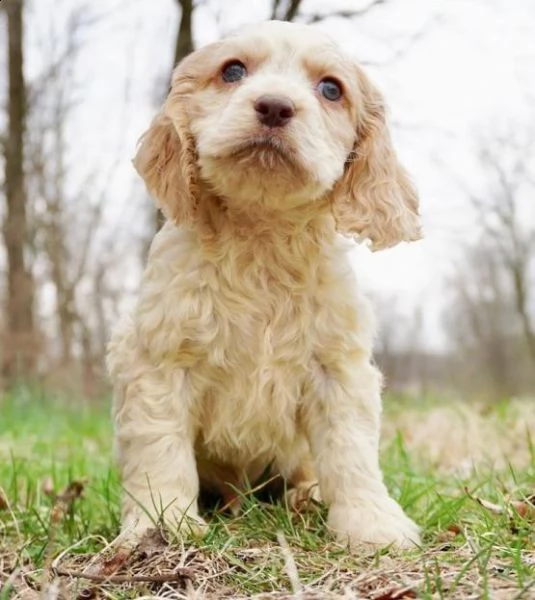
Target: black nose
274, 111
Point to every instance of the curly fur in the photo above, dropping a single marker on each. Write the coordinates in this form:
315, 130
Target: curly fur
251, 342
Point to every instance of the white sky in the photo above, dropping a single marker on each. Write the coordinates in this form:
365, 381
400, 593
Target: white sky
472, 71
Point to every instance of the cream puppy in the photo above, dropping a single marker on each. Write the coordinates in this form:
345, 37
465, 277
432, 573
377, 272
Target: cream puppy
251, 343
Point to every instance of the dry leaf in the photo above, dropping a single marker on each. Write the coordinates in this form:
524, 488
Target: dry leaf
525, 510
450, 533
3, 501
113, 564
64, 500
74, 490
490, 506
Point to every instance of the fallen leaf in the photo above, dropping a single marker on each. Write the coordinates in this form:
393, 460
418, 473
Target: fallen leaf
490, 506
449, 534
525, 510
111, 565
63, 501
454, 529
74, 490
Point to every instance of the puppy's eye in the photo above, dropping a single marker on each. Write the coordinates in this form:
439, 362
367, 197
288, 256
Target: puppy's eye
233, 71
330, 89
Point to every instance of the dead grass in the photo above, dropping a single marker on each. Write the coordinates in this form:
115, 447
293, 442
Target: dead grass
461, 437
158, 570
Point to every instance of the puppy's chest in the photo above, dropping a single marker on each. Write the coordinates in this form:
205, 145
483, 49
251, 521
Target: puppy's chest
263, 317
257, 362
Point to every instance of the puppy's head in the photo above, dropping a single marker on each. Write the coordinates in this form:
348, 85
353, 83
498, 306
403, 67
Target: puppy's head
278, 116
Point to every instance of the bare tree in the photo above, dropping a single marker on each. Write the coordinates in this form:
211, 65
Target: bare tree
49, 111
478, 321
490, 319
510, 171
400, 348
71, 253
19, 357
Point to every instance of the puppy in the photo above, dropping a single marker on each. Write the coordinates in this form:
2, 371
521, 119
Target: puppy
251, 343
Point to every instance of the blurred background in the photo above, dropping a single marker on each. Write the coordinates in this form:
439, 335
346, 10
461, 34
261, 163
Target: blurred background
80, 81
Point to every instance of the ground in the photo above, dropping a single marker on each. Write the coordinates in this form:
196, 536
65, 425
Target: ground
466, 473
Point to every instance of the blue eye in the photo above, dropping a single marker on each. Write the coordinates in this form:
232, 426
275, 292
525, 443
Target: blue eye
233, 71
330, 89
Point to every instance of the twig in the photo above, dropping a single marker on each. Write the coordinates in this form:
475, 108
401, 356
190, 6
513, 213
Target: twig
63, 553
181, 573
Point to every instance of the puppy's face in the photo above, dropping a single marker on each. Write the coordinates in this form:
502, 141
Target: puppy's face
272, 110
278, 116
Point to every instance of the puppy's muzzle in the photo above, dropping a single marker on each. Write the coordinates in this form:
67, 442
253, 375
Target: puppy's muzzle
274, 111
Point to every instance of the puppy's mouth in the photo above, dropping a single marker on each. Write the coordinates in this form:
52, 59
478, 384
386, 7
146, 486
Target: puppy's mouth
266, 150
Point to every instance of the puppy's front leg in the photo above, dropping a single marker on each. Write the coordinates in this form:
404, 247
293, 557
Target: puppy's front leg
155, 451
160, 485
342, 417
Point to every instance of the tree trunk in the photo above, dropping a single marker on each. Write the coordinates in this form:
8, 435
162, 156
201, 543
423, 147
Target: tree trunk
520, 276
184, 38
19, 351
287, 12
58, 253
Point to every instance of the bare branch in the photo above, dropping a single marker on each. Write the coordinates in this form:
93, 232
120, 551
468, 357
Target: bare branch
402, 50
409, 43
345, 14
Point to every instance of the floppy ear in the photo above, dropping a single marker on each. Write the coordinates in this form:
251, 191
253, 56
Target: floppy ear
167, 162
375, 198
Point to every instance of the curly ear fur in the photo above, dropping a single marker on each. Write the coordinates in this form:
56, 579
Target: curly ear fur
375, 198
166, 161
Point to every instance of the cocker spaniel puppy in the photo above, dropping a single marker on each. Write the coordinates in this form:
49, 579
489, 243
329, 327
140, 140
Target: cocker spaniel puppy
250, 346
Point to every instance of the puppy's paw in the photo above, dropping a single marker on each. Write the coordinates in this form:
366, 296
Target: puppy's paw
134, 528
376, 522
303, 496
177, 525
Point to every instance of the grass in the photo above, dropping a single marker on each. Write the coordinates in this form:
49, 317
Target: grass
466, 474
